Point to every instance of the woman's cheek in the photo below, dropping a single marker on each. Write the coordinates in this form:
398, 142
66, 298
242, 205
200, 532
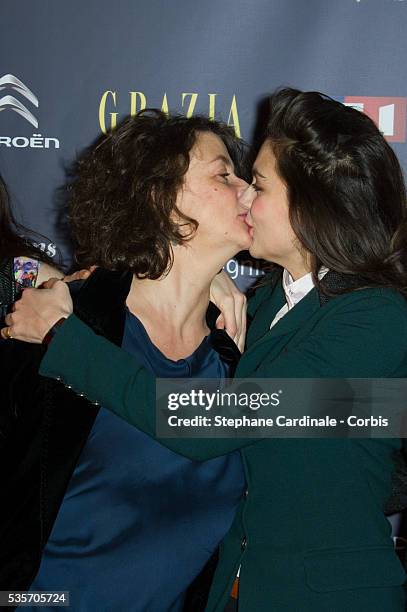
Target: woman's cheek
257, 208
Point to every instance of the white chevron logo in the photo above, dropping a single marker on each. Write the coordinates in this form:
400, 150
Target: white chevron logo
10, 102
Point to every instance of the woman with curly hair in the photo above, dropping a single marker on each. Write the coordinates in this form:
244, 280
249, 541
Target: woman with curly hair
155, 205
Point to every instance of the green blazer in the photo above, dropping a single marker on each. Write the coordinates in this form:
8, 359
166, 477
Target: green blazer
310, 533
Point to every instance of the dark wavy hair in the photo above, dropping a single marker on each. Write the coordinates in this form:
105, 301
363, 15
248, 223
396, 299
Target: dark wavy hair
123, 191
15, 239
345, 186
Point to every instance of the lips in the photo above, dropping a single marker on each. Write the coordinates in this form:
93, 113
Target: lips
249, 226
242, 218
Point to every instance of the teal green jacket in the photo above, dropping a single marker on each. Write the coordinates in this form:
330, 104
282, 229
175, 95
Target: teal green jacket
310, 534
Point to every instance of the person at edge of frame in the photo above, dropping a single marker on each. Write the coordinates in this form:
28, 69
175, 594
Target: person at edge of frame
21, 263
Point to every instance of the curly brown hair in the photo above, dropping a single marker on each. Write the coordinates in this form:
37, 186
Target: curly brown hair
123, 190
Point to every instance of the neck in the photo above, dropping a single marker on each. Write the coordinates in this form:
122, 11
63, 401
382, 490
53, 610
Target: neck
178, 301
297, 273
297, 268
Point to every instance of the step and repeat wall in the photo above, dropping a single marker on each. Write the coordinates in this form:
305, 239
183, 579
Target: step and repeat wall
71, 70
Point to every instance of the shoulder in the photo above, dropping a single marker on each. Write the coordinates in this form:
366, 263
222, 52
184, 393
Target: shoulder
373, 303
367, 327
361, 334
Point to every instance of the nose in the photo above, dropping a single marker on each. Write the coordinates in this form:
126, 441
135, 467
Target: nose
246, 197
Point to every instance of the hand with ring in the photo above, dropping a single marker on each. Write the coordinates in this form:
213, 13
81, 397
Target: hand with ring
37, 311
6, 333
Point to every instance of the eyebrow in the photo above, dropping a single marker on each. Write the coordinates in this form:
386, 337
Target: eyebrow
255, 172
223, 159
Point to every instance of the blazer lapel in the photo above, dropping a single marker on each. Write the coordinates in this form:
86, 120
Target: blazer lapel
283, 331
260, 323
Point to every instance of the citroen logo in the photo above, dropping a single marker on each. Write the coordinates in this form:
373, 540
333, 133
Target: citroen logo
10, 102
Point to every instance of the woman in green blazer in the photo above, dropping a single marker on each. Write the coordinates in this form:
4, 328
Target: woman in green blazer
329, 207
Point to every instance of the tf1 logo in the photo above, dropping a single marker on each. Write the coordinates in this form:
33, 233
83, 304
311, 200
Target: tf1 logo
389, 114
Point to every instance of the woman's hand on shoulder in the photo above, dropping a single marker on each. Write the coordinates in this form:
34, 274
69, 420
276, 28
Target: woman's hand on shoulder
233, 306
49, 273
37, 311
46, 271
80, 274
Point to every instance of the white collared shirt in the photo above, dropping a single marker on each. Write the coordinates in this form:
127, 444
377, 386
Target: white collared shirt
295, 291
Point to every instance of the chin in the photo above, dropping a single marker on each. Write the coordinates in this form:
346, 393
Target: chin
245, 242
255, 251
246, 245
241, 245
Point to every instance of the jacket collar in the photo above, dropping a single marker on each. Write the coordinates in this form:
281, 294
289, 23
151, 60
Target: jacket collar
288, 324
100, 302
296, 290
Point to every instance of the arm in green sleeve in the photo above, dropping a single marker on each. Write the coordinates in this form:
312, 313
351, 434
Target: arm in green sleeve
110, 376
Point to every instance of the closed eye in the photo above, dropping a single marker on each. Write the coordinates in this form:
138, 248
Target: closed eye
225, 175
